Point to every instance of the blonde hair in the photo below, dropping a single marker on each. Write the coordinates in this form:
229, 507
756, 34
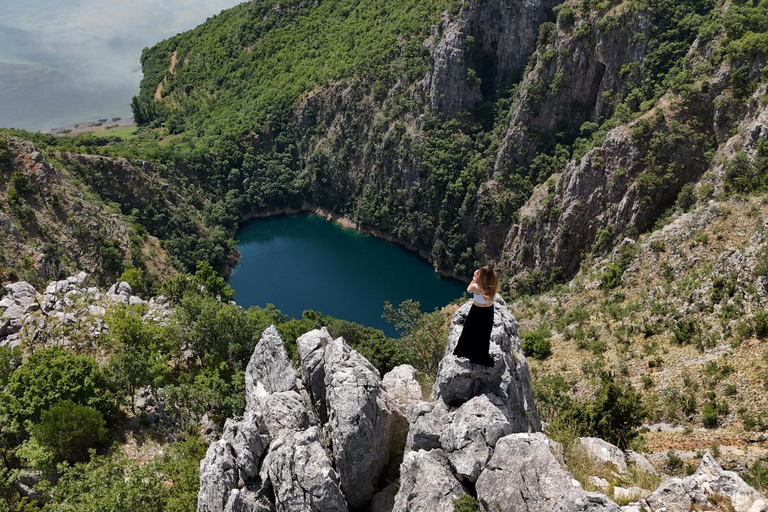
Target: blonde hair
488, 282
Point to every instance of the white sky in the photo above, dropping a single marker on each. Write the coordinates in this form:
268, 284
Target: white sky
68, 61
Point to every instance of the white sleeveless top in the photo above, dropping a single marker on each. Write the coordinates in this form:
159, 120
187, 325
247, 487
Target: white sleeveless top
480, 299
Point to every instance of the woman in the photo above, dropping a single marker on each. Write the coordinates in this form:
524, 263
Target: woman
475, 339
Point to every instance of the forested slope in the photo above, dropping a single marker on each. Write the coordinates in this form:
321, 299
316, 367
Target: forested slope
434, 121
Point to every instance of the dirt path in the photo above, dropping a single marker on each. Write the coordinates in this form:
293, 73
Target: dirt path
171, 70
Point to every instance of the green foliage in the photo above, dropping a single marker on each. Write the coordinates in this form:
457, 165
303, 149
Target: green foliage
118, 484
467, 503
615, 414
216, 286
686, 198
757, 475
67, 430
10, 359
723, 288
138, 281
743, 175
423, 335
19, 182
536, 344
611, 278
50, 376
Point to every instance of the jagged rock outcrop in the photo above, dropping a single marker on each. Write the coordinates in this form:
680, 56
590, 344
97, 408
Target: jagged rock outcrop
362, 419
402, 383
427, 483
458, 380
575, 74
269, 366
469, 59
234, 474
72, 303
276, 459
301, 475
709, 486
311, 348
523, 475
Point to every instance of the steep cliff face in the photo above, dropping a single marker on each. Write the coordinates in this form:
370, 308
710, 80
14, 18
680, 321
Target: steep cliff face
619, 188
440, 140
577, 74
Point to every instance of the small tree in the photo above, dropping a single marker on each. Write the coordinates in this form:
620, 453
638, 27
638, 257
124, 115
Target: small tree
67, 430
214, 285
131, 369
423, 335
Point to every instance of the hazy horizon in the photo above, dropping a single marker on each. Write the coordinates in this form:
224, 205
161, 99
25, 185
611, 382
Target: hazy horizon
62, 64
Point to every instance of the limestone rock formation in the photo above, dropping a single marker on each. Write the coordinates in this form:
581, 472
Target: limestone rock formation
270, 366
73, 302
458, 380
300, 473
471, 433
710, 486
577, 500
361, 419
523, 475
427, 483
402, 383
312, 351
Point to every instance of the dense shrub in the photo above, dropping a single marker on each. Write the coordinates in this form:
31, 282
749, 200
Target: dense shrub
536, 344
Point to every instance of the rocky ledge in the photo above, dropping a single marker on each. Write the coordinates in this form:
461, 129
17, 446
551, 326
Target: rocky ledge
72, 302
339, 437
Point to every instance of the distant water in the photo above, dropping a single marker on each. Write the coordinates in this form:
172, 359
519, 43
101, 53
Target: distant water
69, 62
303, 262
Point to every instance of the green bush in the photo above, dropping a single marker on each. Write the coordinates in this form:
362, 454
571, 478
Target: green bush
615, 414
467, 504
67, 430
757, 475
536, 344
611, 278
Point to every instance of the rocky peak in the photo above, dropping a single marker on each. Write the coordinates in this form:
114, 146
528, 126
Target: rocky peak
480, 436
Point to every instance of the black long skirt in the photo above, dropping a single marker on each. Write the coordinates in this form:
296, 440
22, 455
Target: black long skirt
475, 339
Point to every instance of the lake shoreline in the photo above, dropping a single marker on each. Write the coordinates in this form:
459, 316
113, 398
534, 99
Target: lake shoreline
342, 221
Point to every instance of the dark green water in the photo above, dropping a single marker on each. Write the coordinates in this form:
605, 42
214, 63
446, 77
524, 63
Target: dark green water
303, 262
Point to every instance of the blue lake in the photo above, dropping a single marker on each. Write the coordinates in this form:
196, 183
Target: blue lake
301, 262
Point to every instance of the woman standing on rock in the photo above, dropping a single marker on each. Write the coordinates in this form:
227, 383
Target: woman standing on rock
475, 339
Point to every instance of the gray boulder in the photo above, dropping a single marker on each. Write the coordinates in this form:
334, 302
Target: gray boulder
402, 383
458, 380
311, 348
362, 421
523, 475
427, 483
471, 434
218, 476
20, 299
245, 500
607, 460
270, 366
427, 420
301, 475
385, 500
577, 500
283, 412
709, 487
119, 292
25, 483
